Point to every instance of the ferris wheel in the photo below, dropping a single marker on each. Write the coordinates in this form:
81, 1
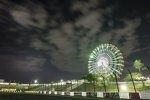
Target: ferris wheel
105, 60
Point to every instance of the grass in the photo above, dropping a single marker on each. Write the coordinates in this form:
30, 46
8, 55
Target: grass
112, 87
98, 87
89, 87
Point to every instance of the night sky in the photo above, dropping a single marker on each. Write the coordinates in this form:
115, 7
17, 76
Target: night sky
51, 40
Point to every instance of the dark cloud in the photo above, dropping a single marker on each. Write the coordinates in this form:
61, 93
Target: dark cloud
22, 63
75, 39
66, 35
35, 15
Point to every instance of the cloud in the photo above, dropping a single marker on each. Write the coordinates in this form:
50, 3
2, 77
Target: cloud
38, 44
29, 15
33, 64
28, 63
85, 6
130, 38
145, 49
73, 40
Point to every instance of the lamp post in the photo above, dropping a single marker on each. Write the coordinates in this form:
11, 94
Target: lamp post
77, 86
66, 86
71, 85
57, 86
61, 84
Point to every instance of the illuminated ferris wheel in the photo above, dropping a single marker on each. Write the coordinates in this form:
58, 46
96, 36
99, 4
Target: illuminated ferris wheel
105, 60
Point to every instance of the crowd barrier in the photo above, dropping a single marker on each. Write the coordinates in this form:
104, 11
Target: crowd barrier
113, 95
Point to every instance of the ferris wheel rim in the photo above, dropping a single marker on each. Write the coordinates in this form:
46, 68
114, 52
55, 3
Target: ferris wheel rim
112, 53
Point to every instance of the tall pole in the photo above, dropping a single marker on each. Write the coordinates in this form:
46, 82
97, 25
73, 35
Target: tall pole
132, 80
57, 86
104, 82
94, 85
61, 86
71, 85
116, 81
66, 86
84, 85
51, 85
148, 68
77, 86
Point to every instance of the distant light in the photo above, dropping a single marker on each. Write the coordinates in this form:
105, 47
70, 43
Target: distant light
35, 81
61, 80
124, 88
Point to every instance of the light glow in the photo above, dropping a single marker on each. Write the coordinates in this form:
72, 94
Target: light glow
35, 81
124, 88
103, 62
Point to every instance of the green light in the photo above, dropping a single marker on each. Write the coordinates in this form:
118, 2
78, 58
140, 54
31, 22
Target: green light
91, 56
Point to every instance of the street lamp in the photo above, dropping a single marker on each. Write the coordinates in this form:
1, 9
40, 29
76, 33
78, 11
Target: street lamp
35, 81
61, 83
61, 80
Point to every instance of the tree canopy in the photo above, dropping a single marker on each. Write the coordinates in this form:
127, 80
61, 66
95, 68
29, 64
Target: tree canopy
90, 77
138, 65
135, 76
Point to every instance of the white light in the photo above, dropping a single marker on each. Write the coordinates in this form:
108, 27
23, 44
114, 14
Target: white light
103, 62
103, 65
35, 81
124, 88
61, 80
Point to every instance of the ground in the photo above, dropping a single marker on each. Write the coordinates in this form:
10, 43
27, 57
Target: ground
9, 96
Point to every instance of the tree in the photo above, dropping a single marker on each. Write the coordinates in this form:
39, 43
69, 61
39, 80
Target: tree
138, 65
111, 78
92, 78
135, 76
84, 78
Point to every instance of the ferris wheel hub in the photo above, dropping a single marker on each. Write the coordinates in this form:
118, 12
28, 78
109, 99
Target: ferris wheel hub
102, 61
